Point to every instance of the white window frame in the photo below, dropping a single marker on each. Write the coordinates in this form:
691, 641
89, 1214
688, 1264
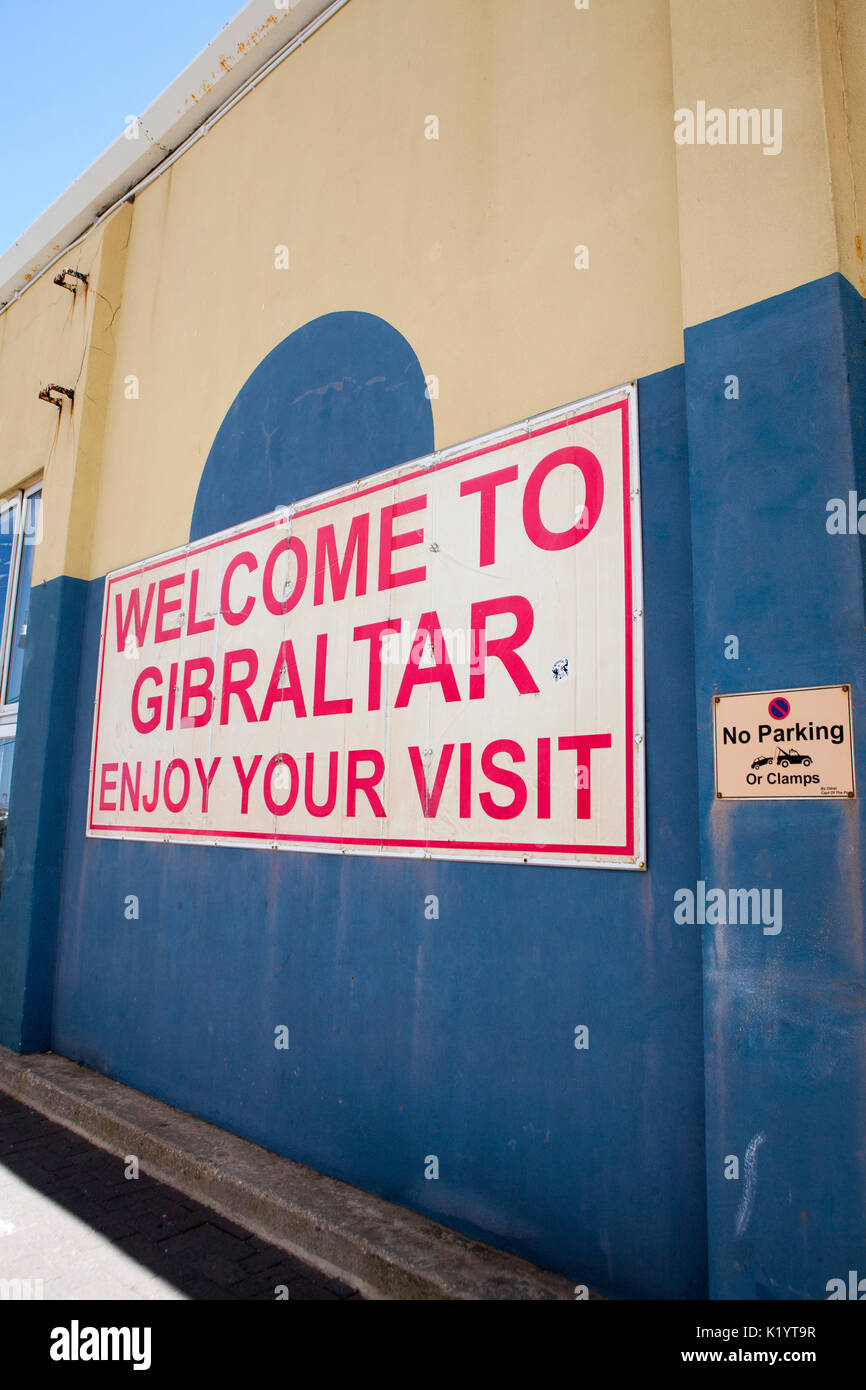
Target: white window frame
16, 503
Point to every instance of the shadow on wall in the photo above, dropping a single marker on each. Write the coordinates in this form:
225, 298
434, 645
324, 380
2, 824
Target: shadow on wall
342, 397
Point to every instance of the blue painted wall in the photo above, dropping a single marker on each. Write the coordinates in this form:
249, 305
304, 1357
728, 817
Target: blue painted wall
785, 1015
35, 839
412, 1037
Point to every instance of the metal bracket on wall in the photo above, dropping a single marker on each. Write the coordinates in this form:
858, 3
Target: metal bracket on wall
61, 279
45, 394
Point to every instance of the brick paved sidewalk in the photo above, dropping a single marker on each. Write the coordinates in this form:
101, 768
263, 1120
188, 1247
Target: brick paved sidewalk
70, 1218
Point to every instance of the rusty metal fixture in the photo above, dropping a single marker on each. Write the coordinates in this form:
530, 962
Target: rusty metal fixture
61, 279
45, 393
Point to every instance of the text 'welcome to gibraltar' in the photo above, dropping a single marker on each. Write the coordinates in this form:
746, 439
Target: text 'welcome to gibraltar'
443, 660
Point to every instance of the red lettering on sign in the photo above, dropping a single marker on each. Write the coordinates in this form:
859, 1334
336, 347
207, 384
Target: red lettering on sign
206, 779
276, 692
320, 704
201, 690
594, 481
240, 686
126, 785
505, 648
194, 626
388, 543
172, 695
150, 805
163, 609
430, 800
292, 546
465, 781
232, 617
328, 805
281, 808
134, 615
486, 487
503, 778
373, 633
106, 786
544, 779
583, 744
176, 763
246, 780
153, 704
441, 671
356, 783
326, 554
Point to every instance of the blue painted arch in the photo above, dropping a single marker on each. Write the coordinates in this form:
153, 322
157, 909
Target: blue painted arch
341, 397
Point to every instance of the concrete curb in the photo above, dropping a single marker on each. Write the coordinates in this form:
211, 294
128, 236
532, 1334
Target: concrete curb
383, 1250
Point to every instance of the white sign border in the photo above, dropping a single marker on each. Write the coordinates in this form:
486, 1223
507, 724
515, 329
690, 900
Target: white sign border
519, 429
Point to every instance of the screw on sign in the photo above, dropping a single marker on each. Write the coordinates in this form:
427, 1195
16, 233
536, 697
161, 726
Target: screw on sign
779, 707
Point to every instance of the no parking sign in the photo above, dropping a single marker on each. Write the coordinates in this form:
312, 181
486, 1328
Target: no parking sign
795, 743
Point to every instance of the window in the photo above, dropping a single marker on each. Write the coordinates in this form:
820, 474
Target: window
20, 530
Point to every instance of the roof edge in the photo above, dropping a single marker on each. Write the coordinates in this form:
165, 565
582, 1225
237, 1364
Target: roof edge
257, 39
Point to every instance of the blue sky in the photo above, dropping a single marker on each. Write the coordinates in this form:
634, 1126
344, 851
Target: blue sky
72, 74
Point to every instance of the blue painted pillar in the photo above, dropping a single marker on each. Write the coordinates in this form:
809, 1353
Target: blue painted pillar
785, 1015
39, 795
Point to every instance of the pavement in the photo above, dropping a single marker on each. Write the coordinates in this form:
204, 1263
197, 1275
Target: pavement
73, 1225
351, 1237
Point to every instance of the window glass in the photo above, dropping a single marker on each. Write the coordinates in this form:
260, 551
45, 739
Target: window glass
18, 630
7, 546
7, 749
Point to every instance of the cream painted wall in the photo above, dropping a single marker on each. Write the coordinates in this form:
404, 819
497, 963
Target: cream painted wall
751, 225
51, 336
42, 339
72, 494
555, 129
842, 34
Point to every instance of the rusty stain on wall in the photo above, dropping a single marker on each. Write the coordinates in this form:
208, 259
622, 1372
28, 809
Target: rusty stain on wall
230, 61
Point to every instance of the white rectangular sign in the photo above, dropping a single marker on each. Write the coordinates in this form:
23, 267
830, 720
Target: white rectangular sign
444, 660
784, 744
